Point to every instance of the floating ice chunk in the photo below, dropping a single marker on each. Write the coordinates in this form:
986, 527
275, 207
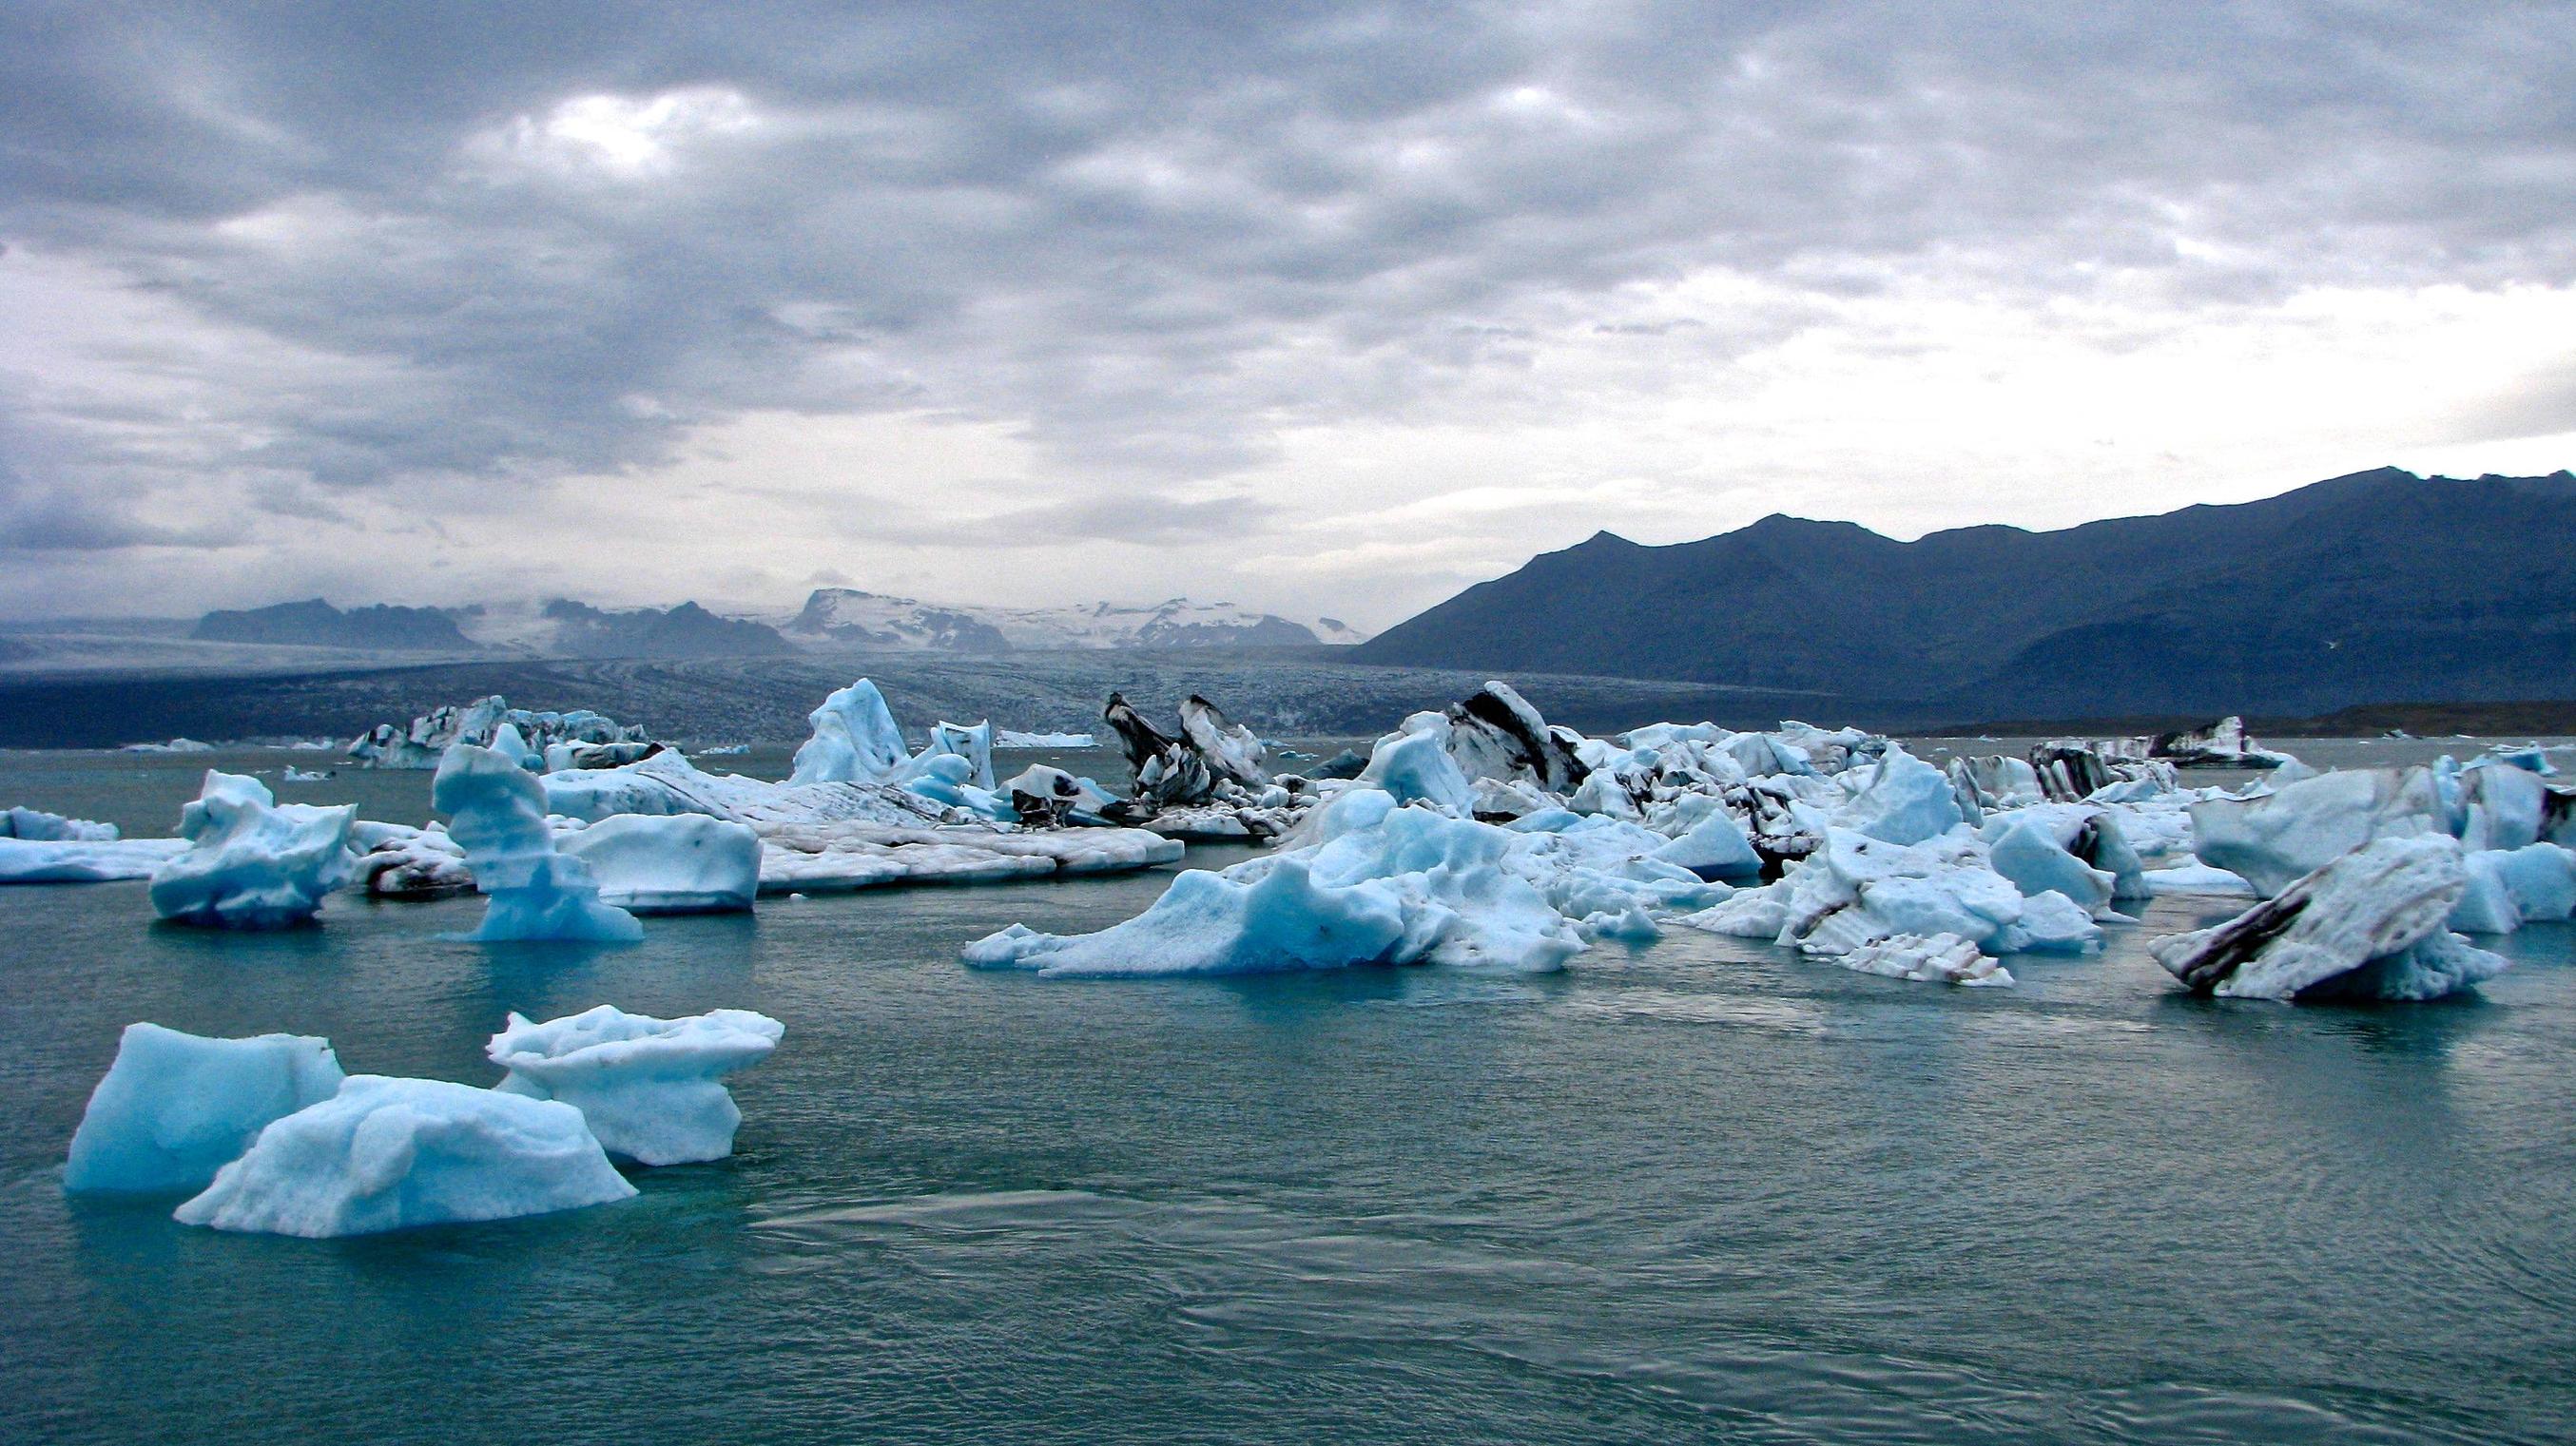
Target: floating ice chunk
2191, 876
1495, 733
2503, 806
1905, 801
425, 740
649, 1088
944, 780
1746, 914
2050, 923
1415, 766
389, 1154
678, 864
293, 774
1714, 848
974, 743
175, 1107
2274, 840
855, 739
397, 861
38, 826
2368, 925
251, 862
2025, 849
29, 861
1386, 885
497, 814
2509, 887
1936, 959
1014, 738
822, 857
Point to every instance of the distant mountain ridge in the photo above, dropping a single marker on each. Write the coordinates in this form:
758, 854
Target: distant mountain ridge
2379, 586
315, 623
850, 617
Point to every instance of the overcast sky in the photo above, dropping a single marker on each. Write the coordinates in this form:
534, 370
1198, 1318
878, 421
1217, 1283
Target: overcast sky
1325, 309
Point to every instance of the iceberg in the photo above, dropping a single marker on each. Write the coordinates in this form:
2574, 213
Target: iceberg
1938, 959
1495, 733
2371, 924
426, 739
251, 862
293, 774
175, 1107
1416, 765
1905, 801
813, 858
390, 1154
37, 826
649, 1088
2222, 744
677, 864
2273, 840
496, 813
397, 861
31, 861
1384, 884
1014, 738
973, 743
2510, 887
855, 739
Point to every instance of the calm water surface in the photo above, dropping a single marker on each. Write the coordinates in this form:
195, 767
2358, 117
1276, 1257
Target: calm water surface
1702, 1191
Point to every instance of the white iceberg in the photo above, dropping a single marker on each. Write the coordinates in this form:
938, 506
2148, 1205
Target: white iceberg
175, 1107
855, 739
2371, 924
1014, 738
390, 1154
31, 861
426, 739
496, 813
649, 1088
680, 864
1386, 884
252, 862
1905, 801
38, 826
1938, 959
2273, 840
972, 742
812, 858
2511, 887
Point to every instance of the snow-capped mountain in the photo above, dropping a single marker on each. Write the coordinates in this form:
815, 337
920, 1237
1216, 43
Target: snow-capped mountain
847, 617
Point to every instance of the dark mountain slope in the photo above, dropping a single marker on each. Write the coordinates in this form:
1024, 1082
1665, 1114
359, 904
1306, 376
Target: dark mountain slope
315, 623
2376, 586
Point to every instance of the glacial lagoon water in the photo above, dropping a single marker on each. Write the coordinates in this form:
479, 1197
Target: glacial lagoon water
1697, 1191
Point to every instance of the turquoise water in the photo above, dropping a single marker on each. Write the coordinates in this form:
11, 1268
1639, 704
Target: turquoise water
1699, 1191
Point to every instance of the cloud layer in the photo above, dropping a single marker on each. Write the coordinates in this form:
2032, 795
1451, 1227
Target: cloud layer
1325, 307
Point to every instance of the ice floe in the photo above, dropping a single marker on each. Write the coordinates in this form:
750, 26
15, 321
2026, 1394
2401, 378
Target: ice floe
34, 861
252, 862
37, 826
650, 1089
390, 1154
2372, 923
426, 739
177, 1107
677, 864
496, 813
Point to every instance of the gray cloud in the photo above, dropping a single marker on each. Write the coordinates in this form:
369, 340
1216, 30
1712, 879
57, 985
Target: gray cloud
502, 244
